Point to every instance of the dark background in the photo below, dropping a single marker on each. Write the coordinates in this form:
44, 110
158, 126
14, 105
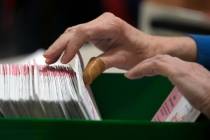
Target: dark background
26, 25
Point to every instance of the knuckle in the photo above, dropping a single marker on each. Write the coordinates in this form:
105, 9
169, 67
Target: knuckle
75, 29
160, 57
155, 63
166, 58
108, 14
195, 66
113, 20
79, 29
68, 29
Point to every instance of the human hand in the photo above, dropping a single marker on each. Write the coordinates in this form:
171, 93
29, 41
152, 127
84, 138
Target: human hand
123, 45
190, 78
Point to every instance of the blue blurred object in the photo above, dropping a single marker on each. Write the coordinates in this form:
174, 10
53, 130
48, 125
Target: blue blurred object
203, 49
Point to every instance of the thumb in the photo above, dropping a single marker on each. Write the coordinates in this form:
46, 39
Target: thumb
148, 67
140, 70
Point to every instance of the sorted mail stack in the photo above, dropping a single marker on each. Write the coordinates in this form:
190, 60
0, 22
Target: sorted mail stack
40, 91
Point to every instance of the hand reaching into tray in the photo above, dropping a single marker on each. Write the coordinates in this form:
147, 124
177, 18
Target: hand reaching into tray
128, 48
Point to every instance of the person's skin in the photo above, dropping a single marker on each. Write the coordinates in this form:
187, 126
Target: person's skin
141, 54
190, 78
124, 46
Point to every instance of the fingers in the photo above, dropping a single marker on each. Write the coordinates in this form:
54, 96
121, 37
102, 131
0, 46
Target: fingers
69, 42
73, 38
76, 39
55, 50
190, 78
158, 65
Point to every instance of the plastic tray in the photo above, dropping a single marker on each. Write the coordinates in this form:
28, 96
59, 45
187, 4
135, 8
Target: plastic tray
126, 107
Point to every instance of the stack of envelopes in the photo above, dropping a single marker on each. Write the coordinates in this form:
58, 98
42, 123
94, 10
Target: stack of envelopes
44, 91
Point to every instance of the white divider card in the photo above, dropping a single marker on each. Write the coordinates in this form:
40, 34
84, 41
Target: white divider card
37, 90
176, 108
86, 96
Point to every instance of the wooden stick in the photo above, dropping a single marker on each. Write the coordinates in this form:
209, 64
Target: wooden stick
93, 69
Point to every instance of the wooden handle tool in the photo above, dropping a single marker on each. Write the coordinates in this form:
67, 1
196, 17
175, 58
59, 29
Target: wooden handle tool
93, 69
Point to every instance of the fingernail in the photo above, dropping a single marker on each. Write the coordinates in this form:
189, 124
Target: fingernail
48, 51
127, 75
45, 54
132, 76
63, 61
47, 61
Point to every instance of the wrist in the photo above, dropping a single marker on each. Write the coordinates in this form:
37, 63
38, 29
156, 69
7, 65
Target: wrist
182, 47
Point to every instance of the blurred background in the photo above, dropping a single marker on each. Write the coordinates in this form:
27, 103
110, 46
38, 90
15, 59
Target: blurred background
27, 25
